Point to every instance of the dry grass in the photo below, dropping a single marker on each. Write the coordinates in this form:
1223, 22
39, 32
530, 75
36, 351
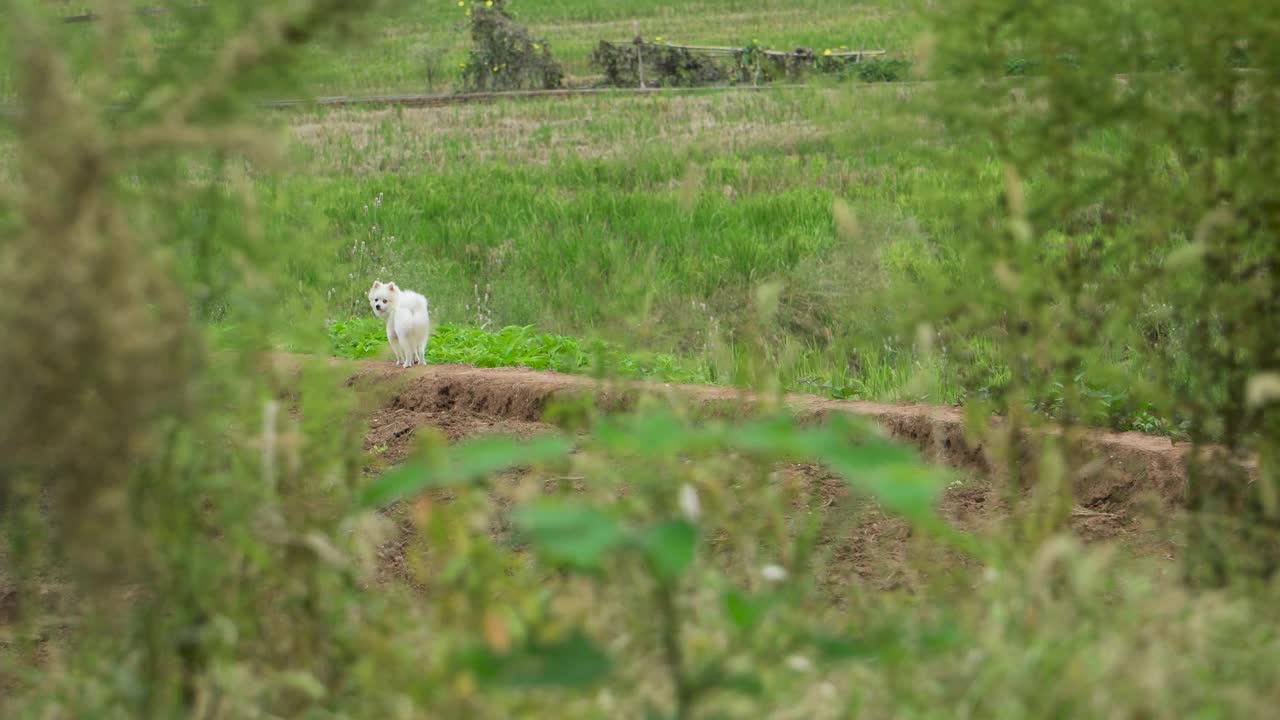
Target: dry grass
592, 128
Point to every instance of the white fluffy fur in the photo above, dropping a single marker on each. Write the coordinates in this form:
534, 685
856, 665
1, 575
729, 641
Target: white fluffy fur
408, 322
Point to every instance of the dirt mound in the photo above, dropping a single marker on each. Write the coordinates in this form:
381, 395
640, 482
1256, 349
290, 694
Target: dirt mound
1119, 469
1129, 490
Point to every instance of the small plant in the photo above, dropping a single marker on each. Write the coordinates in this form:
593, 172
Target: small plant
751, 65
883, 70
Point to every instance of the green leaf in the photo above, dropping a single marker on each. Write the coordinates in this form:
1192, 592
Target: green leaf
744, 610
944, 636
715, 677
670, 547
910, 491
654, 434
571, 662
890, 473
461, 464
569, 533
835, 648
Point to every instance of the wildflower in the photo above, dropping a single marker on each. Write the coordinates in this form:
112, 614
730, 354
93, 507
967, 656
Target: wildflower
462, 3
660, 39
773, 573
488, 3
536, 46
689, 503
495, 68
827, 51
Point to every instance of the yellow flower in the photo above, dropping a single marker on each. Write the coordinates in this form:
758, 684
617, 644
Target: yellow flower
495, 68
461, 3
659, 38
488, 3
827, 51
536, 46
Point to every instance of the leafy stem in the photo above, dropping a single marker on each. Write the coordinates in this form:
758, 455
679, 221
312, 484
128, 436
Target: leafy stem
684, 690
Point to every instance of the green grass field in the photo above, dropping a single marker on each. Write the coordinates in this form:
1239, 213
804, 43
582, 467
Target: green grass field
650, 222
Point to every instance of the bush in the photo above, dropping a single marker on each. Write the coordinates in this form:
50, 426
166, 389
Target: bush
1192, 237
504, 56
889, 70
663, 66
674, 66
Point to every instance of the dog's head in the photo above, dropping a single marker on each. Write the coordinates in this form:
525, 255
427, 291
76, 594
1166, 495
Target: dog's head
382, 297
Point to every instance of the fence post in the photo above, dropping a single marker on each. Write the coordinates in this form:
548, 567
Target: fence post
635, 26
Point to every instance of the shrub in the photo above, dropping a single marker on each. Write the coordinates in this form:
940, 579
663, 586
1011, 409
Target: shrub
663, 66
504, 56
1192, 240
675, 66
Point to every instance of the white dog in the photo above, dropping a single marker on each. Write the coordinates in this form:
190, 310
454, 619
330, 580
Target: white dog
408, 323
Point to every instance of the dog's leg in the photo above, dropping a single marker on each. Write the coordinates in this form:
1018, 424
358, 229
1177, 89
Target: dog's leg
407, 351
394, 341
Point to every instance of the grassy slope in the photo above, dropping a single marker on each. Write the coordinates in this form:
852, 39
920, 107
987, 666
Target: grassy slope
582, 216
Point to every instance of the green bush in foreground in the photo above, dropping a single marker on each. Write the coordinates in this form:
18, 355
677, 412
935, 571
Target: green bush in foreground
1166, 249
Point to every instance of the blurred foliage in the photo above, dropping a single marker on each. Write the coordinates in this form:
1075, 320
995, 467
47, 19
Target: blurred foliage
193, 529
1163, 250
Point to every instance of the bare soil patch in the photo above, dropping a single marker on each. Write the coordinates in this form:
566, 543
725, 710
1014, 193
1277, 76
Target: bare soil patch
1128, 493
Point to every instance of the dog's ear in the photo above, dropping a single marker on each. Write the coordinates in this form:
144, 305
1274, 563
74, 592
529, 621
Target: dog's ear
376, 284
392, 287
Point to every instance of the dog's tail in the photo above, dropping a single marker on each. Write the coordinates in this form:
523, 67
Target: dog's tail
421, 315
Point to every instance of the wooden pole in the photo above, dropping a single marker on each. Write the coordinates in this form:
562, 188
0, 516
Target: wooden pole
635, 26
